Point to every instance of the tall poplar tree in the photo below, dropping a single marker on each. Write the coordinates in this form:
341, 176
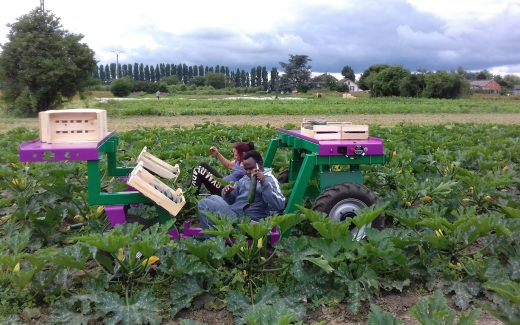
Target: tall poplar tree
102, 74
157, 73
130, 72
265, 79
136, 71
147, 73
107, 74
253, 77
141, 72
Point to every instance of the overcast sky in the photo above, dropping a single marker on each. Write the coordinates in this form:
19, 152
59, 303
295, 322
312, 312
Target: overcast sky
417, 34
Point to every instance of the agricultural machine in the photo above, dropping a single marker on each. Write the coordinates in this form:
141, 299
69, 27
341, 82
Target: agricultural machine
324, 167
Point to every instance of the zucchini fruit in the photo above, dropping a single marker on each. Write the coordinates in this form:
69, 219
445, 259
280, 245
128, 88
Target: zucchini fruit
252, 190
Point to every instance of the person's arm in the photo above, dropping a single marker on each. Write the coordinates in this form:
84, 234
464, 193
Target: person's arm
272, 194
237, 172
223, 160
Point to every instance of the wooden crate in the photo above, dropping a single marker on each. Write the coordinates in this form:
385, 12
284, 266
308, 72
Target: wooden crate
158, 166
73, 125
325, 131
354, 132
333, 130
155, 190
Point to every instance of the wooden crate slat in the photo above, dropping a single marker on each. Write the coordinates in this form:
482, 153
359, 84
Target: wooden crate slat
146, 183
158, 166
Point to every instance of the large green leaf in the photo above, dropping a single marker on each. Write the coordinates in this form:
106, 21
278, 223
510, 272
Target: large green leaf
286, 221
509, 290
110, 242
266, 307
74, 310
378, 316
329, 229
256, 230
433, 310
464, 293
182, 292
141, 308
369, 214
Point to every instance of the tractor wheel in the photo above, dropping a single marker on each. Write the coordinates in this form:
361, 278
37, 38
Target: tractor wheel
345, 200
283, 177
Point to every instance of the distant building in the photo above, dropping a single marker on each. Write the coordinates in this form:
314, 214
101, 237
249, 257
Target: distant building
352, 86
516, 90
486, 86
323, 81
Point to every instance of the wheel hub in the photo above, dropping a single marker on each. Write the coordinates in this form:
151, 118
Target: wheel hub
349, 208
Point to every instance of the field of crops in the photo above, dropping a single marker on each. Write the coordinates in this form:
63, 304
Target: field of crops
450, 193
306, 105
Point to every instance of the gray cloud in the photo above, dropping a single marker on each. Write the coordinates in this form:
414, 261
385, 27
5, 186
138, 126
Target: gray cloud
366, 34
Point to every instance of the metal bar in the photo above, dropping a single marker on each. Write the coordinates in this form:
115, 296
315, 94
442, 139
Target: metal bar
271, 151
302, 181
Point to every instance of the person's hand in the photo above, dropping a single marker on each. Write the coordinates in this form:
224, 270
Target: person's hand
227, 189
213, 150
259, 175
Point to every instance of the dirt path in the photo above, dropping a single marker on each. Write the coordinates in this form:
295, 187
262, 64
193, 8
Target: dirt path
130, 123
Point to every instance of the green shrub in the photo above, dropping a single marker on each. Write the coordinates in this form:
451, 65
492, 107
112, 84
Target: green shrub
121, 87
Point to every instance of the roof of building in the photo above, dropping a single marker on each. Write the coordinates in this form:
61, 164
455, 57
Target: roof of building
479, 83
345, 80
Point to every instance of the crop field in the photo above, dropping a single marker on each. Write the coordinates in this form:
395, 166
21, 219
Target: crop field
450, 194
328, 104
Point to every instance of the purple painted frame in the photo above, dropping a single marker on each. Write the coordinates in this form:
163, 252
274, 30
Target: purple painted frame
374, 146
35, 150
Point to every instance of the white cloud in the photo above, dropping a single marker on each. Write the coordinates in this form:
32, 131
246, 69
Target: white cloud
440, 34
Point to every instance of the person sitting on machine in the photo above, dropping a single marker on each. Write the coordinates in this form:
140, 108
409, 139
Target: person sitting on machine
207, 175
236, 200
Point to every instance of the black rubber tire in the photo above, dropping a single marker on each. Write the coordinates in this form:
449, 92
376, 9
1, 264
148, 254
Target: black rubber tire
344, 200
283, 177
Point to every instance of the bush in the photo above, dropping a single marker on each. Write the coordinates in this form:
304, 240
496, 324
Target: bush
171, 80
216, 80
442, 84
342, 88
122, 87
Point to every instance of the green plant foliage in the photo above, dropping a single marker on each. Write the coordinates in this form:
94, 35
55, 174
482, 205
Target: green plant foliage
450, 198
200, 105
266, 307
378, 316
184, 289
435, 310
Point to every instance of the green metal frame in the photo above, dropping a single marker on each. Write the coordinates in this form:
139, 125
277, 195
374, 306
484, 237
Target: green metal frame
306, 165
95, 195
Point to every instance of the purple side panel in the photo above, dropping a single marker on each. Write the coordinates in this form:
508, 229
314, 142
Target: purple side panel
274, 236
174, 234
191, 232
374, 146
35, 150
116, 214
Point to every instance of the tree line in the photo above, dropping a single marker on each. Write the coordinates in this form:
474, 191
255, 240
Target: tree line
188, 74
